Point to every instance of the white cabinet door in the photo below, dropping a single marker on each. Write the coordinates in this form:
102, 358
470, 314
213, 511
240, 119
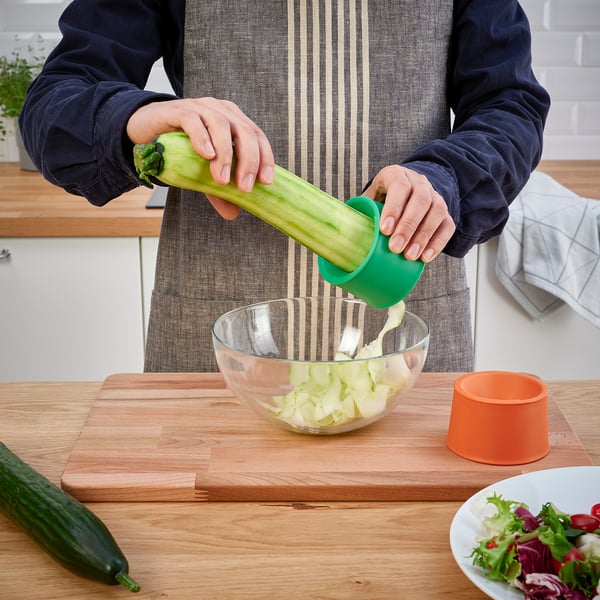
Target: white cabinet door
149, 248
561, 346
471, 272
70, 308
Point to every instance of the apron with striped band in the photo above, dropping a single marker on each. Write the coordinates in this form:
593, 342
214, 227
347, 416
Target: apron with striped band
342, 88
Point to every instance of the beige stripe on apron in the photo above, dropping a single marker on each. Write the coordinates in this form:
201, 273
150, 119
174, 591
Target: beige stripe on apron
341, 88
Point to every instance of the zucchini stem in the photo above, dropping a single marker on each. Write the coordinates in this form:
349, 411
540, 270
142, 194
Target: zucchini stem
126, 580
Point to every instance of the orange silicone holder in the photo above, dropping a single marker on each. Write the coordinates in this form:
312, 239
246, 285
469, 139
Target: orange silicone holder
499, 417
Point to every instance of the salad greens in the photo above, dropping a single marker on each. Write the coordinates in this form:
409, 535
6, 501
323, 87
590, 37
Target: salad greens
548, 556
333, 393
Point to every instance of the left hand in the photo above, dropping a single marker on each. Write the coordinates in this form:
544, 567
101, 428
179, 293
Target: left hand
214, 126
414, 215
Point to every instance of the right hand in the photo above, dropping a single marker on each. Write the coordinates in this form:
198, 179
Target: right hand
215, 127
414, 215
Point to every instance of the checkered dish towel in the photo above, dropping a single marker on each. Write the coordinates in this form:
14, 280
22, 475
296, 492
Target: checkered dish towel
549, 251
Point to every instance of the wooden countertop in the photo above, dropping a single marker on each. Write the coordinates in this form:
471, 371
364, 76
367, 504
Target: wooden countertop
32, 207
242, 550
580, 176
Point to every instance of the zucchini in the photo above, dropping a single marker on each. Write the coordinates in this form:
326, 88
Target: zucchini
328, 227
62, 526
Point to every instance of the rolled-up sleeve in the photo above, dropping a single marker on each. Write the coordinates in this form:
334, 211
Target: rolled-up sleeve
74, 119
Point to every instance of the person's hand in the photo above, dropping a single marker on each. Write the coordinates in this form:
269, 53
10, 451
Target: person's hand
414, 215
216, 128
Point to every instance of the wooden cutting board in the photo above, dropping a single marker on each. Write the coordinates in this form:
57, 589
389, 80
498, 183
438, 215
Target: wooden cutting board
185, 437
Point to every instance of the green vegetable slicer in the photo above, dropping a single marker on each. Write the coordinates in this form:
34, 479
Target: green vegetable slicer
352, 252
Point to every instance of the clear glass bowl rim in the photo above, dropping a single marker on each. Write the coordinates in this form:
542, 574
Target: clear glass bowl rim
420, 321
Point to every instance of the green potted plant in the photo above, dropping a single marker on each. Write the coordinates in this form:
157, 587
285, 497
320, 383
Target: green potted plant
17, 71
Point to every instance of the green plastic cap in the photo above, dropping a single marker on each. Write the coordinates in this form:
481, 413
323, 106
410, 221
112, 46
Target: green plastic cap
384, 278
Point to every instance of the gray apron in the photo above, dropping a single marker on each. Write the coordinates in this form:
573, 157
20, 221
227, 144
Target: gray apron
341, 89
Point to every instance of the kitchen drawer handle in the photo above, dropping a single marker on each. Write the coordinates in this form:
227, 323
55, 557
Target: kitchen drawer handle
4, 253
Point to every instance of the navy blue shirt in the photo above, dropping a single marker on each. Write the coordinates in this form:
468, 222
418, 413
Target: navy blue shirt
75, 114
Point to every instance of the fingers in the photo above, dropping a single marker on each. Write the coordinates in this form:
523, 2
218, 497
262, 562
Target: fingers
414, 216
217, 129
255, 158
226, 209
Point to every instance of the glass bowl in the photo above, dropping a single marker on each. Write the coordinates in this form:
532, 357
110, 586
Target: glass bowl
297, 361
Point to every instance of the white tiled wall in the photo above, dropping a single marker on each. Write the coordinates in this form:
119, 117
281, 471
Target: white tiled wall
22, 22
566, 56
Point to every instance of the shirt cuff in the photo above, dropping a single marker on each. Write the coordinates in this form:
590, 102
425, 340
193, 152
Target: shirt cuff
446, 186
113, 147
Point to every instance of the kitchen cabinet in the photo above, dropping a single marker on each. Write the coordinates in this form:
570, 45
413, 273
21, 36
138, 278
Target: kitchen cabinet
75, 293
70, 308
71, 289
471, 272
561, 346
148, 252
249, 550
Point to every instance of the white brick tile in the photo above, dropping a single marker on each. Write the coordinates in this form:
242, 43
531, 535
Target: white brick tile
7, 44
540, 74
556, 49
36, 45
588, 118
579, 83
590, 50
30, 16
535, 9
562, 119
571, 147
158, 80
566, 33
574, 15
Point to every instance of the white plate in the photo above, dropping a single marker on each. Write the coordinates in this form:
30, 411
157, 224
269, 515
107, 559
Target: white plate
571, 489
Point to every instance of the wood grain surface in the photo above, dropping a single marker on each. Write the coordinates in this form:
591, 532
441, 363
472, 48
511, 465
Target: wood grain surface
185, 437
30, 206
580, 176
243, 550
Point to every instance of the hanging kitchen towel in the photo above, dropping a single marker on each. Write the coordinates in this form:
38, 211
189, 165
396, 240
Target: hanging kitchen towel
549, 251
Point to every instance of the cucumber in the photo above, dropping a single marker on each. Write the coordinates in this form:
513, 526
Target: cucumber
328, 227
68, 531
